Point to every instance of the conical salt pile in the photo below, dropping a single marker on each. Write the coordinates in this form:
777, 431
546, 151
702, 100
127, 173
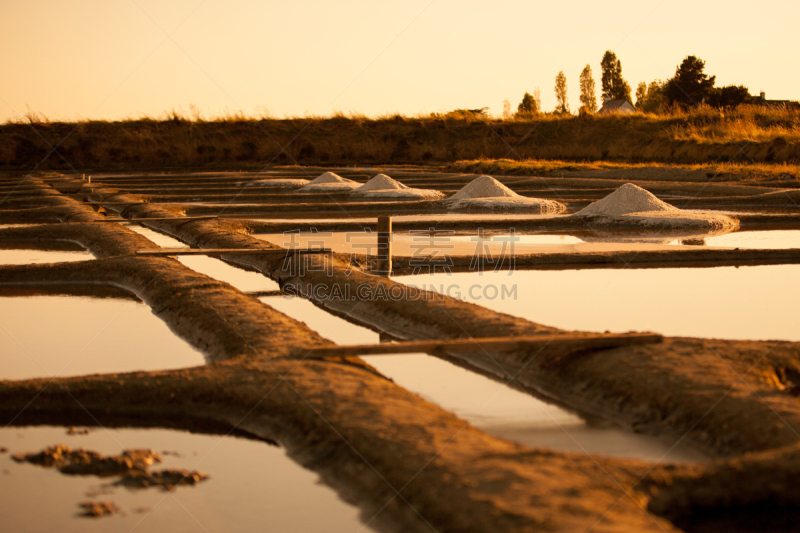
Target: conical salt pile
486, 192
632, 206
382, 186
381, 182
330, 181
484, 187
627, 199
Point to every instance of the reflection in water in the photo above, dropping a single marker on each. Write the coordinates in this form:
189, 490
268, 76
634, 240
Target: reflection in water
31, 257
45, 336
251, 487
670, 236
212, 267
757, 303
329, 326
164, 241
487, 404
777, 239
510, 414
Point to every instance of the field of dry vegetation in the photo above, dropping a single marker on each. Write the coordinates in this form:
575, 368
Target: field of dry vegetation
745, 135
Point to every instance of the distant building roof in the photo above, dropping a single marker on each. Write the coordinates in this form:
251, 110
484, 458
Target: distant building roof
762, 100
617, 106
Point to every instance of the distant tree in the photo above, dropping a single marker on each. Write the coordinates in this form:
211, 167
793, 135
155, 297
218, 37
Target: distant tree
613, 84
729, 96
506, 109
690, 86
588, 98
641, 94
653, 97
528, 106
562, 106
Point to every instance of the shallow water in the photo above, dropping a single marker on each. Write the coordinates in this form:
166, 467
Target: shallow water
432, 217
421, 244
487, 404
164, 241
44, 336
252, 486
758, 303
776, 239
329, 326
215, 268
464, 242
32, 257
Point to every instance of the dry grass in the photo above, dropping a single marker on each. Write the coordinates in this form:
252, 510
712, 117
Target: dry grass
757, 172
185, 139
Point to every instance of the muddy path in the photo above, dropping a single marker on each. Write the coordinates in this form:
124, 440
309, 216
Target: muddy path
382, 447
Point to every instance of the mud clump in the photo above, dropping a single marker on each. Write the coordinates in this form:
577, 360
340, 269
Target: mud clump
132, 466
97, 509
167, 479
88, 463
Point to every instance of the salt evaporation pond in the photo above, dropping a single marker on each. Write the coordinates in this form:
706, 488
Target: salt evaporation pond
485, 403
776, 239
252, 486
752, 302
434, 218
243, 280
59, 336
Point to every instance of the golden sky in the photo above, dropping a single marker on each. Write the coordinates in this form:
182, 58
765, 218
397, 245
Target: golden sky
87, 59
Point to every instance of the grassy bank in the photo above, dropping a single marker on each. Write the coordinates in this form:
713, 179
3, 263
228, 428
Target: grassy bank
785, 174
748, 134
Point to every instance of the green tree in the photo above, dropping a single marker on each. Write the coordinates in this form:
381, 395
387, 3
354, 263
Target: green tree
690, 86
588, 98
613, 84
562, 105
528, 106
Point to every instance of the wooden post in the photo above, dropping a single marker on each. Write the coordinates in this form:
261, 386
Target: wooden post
565, 342
384, 258
88, 179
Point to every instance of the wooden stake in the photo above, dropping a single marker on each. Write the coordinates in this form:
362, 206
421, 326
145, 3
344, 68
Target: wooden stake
571, 342
384, 259
161, 252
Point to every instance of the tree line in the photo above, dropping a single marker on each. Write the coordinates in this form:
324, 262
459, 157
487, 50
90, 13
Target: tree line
690, 87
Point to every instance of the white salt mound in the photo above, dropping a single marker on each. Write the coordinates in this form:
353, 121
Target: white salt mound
631, 204
382, 186
381, 182
330, 181
484, 187
486, 192
627, 199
